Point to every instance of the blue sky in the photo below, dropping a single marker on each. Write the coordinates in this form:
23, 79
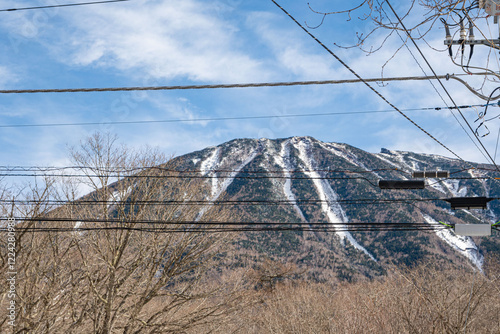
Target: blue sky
157, 42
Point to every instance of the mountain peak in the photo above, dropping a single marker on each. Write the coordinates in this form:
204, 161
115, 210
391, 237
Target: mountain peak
338, 176
386, 151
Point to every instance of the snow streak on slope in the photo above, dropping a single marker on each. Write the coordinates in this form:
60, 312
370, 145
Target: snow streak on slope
213, 162
381, 157
436, 185
229, 179
478, 174
454, 188
400, 157
329, 205
340, 150
400, 162
448, 186
208, 166
283, 160
77, 226
464, 245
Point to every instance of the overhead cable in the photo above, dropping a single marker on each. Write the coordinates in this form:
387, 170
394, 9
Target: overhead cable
131, 202
325, 229
118, 169
442, 85
366, 83
62, 5
218, 86
215, 119
39, 225
176, 223
430, 81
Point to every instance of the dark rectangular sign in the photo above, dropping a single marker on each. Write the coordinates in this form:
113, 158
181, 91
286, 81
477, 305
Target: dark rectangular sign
398, 184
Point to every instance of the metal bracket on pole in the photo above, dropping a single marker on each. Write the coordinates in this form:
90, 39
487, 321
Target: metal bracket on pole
494, 43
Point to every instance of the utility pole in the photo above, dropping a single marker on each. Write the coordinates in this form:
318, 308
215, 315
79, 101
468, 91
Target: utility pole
492, 8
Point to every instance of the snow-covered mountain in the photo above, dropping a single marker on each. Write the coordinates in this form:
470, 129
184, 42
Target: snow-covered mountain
302, 168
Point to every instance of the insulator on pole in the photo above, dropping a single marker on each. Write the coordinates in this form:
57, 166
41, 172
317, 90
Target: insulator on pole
448, 34
471, 31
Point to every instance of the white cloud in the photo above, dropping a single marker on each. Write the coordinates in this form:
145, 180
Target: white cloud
165, 40
294, 52
7, 76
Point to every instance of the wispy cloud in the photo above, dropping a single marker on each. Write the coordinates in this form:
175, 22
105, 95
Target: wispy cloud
7, 76
163, 40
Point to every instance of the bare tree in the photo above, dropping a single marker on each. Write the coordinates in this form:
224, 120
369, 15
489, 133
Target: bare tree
404, 23
269, 273
35, 273
425, 299
418, 18
133, 258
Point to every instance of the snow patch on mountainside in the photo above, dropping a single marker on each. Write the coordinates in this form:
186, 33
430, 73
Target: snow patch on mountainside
478, 174
267, 151
213, 162
401, 158
464, 245
417, 161
208, 168
436, 185
448, 186
414, 165
117, 196
330, 205
283, 160
399, 162
454, 188
340, 150
382, 156
229, 179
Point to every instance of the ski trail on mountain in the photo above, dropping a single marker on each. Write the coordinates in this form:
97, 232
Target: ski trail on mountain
329, 198
283, 160
213, 162
464, 245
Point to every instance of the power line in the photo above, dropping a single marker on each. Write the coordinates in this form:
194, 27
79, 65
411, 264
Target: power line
412, 55
365, 82
190, 174
238, 177
430, 81
210, 174
236, 117
217, 226
441, 83
171, 170
177, 223
62, 5
325, 229
132, 202
165, 169
205, 177
217, 86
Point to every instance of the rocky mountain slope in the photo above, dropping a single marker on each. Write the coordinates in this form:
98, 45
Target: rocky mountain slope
329, 183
